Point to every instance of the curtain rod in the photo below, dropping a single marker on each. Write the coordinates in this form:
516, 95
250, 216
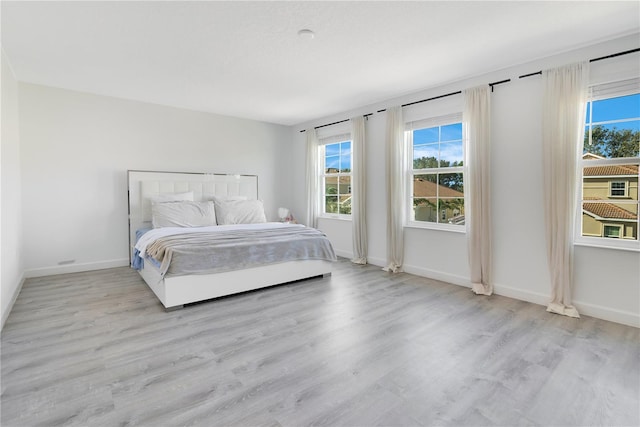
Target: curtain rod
613, 55
447, 94
335, 123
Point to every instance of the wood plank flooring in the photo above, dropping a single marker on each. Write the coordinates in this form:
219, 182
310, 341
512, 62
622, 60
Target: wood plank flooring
360, 348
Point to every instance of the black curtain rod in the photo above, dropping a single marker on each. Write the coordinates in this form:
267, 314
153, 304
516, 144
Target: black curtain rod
425, 100
498, 83
447, 94
626, 52
613, 55
335, 123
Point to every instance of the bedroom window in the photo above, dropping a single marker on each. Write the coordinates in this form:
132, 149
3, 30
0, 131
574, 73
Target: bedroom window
336, 176
610, 159
436, 177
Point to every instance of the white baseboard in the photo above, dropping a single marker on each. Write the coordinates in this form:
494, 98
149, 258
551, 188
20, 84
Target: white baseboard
522, 295
587, 309
343, 254
618, 316
76, 268
14, 297
437, 275
380, 262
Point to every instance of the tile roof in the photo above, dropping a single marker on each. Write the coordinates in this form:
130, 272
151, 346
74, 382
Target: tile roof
608, 211
612, 170
423, 188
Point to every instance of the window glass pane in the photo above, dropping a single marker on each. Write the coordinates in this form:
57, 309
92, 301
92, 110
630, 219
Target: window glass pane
425, 209
345, 163
451, 211
331, 204
451, 154
345, 204
425, 156
345, 148
332, 149
423, 136
451, 132
332, 164
623, 107
614, 140
331, 185
345, 185
424, 186
451, 185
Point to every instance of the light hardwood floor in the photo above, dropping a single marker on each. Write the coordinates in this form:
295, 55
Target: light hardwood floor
359, 348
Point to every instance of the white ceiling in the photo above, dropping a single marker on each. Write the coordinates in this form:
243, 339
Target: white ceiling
245, 59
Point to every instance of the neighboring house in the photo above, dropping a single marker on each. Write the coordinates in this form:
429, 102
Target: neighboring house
609, 193
450, 209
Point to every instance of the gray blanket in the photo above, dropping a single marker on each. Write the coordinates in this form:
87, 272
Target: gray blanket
238, 249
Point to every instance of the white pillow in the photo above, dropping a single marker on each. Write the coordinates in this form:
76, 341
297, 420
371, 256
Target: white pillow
227, 198
240, 212
171, 197
183, 214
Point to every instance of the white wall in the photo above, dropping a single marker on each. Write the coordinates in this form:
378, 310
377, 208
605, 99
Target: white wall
607, 281
76, 149
11, 264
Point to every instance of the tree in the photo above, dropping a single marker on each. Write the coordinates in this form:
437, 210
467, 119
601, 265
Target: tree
612, 143
432, 162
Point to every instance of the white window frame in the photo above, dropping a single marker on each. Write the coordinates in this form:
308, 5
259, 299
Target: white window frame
600, 92
323, 142
408, 137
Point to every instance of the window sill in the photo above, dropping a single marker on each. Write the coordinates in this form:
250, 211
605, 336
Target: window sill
437, 227
336, 217
616, 244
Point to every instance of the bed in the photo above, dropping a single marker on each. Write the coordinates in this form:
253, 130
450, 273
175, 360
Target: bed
176, 286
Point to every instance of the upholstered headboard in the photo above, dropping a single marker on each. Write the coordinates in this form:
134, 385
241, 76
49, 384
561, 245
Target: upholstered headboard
145, 184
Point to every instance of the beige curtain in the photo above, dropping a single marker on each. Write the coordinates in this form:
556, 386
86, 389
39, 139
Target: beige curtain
358, 191
312, 178
476, 118
564, 101
395, 174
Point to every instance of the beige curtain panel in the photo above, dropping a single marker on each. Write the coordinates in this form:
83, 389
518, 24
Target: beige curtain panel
476, 118
312, 179
358, 190
395, 172
564, 101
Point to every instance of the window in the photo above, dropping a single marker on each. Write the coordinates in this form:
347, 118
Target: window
610, 160
336, 177
618, 189
436, 179
612, 231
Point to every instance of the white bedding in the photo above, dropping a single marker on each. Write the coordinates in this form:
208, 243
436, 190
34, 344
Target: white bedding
153, 234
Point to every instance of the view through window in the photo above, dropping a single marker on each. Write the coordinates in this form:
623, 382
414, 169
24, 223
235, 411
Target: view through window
610, 160
436, 177
336, 178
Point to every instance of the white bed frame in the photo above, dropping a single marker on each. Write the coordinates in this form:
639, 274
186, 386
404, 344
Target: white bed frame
175, 291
